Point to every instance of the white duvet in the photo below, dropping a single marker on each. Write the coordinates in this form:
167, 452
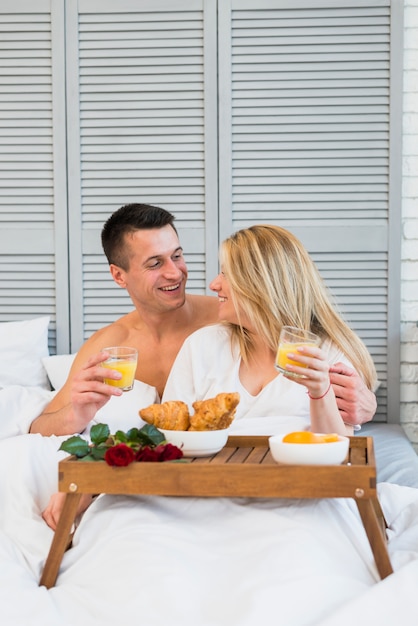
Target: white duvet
207, 562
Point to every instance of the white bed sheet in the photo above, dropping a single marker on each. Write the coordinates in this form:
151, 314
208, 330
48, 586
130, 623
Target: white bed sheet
184, 561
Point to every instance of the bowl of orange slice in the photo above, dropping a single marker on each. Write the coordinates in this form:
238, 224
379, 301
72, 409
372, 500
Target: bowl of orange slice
308, 448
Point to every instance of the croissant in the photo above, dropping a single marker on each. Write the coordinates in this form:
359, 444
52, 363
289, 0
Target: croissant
171, 415
214, 413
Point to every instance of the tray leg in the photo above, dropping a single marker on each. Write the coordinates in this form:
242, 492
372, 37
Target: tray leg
60, 540
374, 528
380, 515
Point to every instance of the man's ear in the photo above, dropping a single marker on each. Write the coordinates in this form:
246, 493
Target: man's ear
118, 275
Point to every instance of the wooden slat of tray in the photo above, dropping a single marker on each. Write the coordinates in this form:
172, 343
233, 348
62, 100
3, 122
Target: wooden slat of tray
244, 467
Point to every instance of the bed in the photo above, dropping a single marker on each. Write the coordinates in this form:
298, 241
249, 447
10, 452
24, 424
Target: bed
206, 561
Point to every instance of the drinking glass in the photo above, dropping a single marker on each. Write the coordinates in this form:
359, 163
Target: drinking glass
290, 340
123, 360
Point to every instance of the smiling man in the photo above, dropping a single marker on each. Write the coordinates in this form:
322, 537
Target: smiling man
145, 258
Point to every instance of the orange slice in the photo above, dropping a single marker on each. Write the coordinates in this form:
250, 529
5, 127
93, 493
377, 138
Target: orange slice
305, 436
330, 438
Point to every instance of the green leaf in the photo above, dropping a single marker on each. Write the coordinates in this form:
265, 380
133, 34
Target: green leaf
89, 459
121, 437
99, 433
149, 435
76, 445
133, 435
98, 454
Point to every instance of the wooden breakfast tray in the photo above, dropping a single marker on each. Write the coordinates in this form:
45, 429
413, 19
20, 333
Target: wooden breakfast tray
243, 468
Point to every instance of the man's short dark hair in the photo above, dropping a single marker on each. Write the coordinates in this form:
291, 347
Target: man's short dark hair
128, 219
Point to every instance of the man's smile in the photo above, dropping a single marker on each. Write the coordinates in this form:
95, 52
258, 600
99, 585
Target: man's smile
170, 287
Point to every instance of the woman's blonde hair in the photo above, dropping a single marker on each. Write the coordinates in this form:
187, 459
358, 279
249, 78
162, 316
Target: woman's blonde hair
275, 283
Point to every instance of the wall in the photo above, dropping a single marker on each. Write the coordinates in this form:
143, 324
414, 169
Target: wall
409, 282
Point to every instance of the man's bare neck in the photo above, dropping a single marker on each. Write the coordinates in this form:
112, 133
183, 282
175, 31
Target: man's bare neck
160, 337
160, 324
197, 311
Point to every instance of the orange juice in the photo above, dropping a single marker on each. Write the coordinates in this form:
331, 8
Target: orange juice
126, 368
282, 358
290, 340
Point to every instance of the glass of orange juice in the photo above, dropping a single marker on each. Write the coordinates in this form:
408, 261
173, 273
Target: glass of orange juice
290, 340
123, 360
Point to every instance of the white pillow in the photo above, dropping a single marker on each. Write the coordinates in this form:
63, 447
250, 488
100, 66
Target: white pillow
19, 406
22, 346
58, 367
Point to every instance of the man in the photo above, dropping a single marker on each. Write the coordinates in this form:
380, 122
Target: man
145, 258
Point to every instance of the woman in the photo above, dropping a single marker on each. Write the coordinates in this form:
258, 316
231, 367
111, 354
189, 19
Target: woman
267, 281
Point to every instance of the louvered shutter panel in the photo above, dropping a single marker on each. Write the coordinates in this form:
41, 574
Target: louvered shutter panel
310, 117
33, 280
142, 119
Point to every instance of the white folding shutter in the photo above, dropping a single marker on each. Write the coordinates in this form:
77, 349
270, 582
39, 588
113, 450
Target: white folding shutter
310, 139
33, 279
141, 128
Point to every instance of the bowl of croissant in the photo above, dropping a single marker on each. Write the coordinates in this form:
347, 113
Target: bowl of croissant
201, 433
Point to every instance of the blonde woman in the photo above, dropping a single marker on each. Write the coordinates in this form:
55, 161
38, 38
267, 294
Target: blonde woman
267, 281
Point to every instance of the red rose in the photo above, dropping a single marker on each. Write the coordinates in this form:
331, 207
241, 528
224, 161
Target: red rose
119, 455
169, 452
147, 454
163, 452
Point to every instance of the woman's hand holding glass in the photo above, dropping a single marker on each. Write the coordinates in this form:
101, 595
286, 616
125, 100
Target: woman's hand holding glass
311, 371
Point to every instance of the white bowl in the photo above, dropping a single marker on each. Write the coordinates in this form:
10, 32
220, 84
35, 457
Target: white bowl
197, 442
330, 453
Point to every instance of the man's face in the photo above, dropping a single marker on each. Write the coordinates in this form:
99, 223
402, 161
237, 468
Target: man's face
157, 274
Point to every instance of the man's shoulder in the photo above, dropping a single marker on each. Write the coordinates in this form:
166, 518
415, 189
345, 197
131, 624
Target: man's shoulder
205, 308
202, 300
115, 333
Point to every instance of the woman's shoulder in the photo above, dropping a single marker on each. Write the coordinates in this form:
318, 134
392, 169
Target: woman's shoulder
211, 332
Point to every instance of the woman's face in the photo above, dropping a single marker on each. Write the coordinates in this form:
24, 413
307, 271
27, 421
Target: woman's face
226, 310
